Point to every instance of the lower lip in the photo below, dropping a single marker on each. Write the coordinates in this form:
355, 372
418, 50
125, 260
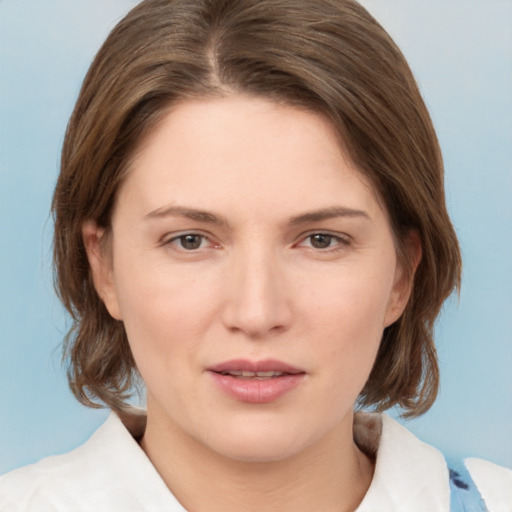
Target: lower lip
257, 391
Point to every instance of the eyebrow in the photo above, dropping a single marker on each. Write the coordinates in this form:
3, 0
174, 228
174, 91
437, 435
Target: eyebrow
188, 213
328, 213
211, 218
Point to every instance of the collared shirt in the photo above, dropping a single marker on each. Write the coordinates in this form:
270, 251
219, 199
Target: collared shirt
111, 473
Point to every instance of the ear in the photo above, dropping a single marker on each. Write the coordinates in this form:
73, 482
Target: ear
99, 255
404, 278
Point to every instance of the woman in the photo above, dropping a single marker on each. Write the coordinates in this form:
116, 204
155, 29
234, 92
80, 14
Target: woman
250, 218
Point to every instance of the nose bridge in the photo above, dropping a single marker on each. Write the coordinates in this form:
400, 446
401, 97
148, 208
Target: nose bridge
257, 302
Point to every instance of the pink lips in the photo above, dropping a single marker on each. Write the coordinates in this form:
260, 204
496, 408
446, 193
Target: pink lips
256, 381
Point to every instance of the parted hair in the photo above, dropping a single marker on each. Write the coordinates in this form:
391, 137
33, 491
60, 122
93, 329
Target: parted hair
327, 56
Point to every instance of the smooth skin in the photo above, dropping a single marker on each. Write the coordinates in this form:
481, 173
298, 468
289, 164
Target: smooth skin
243, 231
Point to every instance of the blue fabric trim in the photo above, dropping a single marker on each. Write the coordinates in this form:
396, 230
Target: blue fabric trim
464, 495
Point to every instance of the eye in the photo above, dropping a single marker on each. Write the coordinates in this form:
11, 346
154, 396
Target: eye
321, 240
324, 241
189, 241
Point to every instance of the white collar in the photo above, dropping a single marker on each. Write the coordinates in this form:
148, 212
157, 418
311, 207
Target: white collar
409, 474
111, 472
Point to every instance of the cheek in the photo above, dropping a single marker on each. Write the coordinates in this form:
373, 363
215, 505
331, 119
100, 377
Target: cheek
164, 311
349, 318
352, 298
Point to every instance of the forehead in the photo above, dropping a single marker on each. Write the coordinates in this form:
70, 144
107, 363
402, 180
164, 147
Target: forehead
238, 121
212, 151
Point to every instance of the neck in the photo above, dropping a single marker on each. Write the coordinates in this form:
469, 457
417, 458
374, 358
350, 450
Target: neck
331, 475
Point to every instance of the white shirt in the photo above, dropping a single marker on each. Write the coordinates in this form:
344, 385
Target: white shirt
111, 473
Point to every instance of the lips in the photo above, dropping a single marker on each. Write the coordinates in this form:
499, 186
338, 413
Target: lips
253, 375
239, 366
256, 381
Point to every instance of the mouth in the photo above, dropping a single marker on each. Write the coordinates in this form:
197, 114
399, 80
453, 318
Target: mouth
245, 375
256, 381
265, 369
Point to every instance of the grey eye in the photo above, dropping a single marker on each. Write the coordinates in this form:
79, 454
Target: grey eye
191, 242
321, 241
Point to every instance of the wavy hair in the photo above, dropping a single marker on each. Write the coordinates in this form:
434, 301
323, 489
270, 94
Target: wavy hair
326, 56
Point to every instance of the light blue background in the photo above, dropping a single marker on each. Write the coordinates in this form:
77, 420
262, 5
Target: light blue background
460, 51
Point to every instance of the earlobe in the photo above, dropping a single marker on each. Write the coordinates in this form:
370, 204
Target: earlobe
404, 278
100, 263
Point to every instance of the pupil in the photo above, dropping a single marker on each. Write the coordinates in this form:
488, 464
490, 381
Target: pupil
191, 241
321, 241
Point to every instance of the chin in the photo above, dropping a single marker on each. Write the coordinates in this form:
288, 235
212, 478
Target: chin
256, 451
259, 443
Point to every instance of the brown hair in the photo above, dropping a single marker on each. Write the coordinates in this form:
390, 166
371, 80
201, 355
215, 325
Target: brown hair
328, 56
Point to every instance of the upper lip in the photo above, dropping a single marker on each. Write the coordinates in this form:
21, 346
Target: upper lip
266, 365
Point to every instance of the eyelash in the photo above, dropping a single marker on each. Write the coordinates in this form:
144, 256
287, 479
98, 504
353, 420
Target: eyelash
340, 242
179, 239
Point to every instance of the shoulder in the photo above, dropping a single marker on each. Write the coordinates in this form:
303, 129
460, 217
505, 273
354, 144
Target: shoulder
45, 483
108, 472
412, 475
52, 481
494, 483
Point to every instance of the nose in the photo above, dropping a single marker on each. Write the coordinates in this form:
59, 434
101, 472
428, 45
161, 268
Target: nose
257, 303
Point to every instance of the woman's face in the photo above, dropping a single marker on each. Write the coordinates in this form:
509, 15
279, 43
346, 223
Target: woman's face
243, 240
